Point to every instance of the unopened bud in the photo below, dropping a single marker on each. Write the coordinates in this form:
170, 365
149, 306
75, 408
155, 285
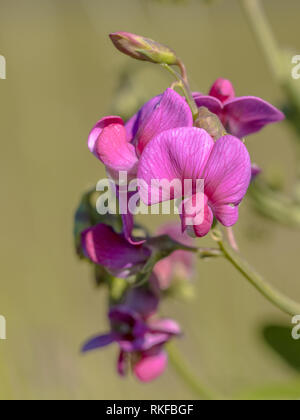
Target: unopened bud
211, 123
142, 48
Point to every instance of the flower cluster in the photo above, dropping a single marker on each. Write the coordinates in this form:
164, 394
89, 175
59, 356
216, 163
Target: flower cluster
164, 141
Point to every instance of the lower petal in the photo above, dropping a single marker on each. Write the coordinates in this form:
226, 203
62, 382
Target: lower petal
97, 129
227, 214
150, 367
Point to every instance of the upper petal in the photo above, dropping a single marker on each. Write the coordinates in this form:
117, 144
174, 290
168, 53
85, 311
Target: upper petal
223, 90
133, 124
228, 172
178, 154
113, 149
171, 111
213, 104
247, 115
105, 247
150, 366
97, 129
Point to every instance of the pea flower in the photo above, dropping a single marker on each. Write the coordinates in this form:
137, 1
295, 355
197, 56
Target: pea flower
119, 146
191, 154
240, 116
140, 337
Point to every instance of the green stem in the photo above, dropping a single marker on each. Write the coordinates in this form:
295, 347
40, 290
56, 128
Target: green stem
282, 302
185, 89
188, 377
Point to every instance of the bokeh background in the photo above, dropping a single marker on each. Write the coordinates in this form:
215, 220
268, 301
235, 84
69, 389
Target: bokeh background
62, 75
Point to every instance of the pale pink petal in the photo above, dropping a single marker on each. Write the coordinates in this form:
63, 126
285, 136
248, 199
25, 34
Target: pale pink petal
97, 129
168, 326
150, 367
228, 172
178, 154
247, 115
114, 151
172, 111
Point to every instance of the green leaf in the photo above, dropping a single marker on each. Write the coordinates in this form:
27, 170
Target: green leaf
279, 339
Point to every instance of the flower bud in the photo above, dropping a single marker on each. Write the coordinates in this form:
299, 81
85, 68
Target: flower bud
142, 48
211, 123
223, 90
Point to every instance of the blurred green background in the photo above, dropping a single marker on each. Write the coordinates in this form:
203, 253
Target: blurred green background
62, 76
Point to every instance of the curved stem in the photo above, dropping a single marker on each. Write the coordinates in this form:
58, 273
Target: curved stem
185, 88
187, 376
282, 302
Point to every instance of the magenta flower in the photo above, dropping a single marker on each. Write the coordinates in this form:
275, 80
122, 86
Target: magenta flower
191, 154
141, 339
180, 263
103, 246
119, 146
240, 116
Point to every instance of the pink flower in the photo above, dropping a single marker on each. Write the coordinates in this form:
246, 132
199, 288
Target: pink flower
119, 146
140, 337
240, 116
180, 263
191, 154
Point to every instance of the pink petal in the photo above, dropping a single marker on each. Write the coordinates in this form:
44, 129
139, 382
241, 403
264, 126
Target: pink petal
113, 149
228, 172
132, 126
97, 129
171, 111
227, 215
149, 367
105, 247
247, 115
176, 154
213, 104
98, 342
197, 221
223, 90
168, 326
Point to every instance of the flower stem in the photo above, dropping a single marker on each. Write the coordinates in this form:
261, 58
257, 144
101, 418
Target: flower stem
185, 89
187, 376
282, 302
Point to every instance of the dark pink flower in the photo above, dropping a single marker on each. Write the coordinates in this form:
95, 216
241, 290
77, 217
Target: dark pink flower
103, 246
180, 263
191, 154
141, 339
240, 116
